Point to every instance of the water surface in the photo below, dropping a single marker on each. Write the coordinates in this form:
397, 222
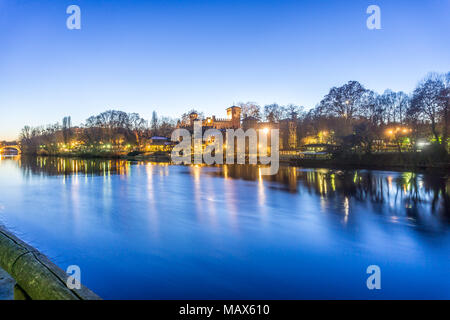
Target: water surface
156, 231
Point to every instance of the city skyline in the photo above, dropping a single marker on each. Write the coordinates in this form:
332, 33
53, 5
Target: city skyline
171, 57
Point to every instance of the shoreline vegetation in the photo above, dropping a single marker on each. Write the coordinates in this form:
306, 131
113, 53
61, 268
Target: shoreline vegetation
352, 126
382, 162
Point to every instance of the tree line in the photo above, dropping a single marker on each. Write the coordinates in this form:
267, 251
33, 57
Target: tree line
355, 117
111, 130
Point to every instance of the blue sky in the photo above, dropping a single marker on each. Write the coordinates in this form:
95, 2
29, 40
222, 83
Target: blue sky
170, 56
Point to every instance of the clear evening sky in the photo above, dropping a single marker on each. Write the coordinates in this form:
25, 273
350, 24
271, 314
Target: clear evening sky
171, 56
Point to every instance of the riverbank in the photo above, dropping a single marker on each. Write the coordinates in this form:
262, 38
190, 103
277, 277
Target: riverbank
378, 161
137, 156
330, 164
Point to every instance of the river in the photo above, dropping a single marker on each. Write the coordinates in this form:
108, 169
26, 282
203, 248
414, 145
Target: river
141, 230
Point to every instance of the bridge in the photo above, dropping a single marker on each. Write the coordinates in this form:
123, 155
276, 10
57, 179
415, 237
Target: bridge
3, 148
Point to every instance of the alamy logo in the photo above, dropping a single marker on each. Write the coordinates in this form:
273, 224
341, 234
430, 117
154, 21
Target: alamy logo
74, 20
374, 280
374, 21
257, 150
74, 279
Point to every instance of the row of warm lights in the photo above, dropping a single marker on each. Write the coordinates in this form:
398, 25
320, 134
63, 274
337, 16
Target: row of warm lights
398, 130
74, 144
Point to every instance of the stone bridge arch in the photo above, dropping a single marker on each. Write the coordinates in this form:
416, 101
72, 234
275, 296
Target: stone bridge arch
15, 147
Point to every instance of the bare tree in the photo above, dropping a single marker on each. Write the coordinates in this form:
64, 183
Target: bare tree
427, 103
402, 106
292, 111
250, 109
137, 125
273, 112
165, 126
343, 101
445, 101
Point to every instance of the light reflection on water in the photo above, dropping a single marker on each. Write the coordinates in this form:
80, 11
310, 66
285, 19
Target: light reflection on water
147, 230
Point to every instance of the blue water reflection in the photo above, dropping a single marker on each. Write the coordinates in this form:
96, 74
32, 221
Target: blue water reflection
155, 231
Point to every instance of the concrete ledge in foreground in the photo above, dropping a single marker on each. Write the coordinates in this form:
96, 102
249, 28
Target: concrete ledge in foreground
36, 275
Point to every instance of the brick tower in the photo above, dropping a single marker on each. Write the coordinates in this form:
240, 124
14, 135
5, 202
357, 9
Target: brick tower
234, 114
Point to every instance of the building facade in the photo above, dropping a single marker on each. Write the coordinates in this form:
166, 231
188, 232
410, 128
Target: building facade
287, 127
233, 120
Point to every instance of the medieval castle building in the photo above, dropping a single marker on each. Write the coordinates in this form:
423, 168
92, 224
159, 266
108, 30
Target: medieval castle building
287, 127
